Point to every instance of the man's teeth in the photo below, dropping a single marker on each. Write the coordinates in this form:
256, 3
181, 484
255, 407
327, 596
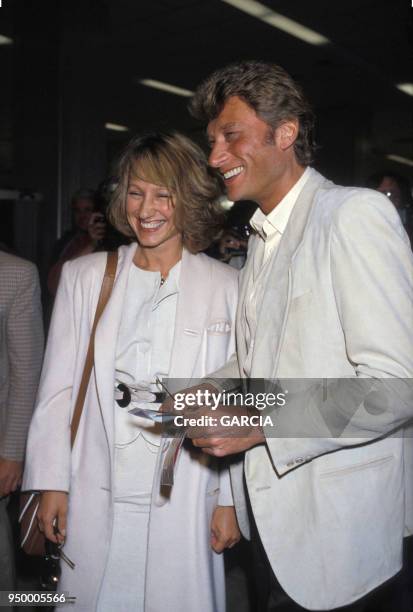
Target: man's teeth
233, 172
151, 224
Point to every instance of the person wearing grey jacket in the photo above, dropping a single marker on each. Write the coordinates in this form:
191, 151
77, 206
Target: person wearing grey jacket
21, 352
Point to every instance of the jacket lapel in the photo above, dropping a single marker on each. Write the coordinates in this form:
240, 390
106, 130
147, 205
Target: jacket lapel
191, 315
274, 308
244, 282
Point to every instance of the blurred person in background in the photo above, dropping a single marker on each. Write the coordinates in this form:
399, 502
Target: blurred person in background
233, 245
397, 189
87, 233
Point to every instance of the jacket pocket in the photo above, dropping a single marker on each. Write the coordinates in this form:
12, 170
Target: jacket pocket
357, 467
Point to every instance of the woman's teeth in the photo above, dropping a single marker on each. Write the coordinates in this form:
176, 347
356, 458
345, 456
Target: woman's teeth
151, 224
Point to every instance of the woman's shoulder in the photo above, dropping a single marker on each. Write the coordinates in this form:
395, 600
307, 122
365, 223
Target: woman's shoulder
85, 266
89, 266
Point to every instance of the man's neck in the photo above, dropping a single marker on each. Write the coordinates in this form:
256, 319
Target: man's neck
290, 176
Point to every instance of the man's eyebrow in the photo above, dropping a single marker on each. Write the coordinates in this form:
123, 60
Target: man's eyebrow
226, 126
230, 125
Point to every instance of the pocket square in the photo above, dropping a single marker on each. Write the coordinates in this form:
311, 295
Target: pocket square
222, 326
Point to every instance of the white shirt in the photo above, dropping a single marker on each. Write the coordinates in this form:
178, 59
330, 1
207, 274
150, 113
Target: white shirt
270, 229
145, 341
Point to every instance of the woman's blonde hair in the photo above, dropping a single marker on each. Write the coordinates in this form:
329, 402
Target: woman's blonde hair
172, 161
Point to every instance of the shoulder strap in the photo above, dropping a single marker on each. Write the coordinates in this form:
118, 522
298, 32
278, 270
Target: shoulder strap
106, 290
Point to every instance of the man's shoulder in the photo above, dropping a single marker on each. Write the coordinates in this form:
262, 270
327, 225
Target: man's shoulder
12, 265
333, 203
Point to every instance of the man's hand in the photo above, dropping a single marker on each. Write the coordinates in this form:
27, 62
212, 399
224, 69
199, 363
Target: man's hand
217, 429
52, 515
226, 430
10, 476
222, 447
225, 532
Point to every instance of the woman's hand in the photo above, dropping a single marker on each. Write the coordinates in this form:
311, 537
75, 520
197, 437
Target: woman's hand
225, 532
52, 514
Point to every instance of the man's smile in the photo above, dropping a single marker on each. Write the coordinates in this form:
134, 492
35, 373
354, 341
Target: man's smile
233, 172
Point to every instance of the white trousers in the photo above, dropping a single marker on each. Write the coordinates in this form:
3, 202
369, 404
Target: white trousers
123, 587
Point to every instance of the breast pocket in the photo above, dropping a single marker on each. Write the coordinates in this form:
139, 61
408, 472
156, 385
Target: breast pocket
219, 327
217, 338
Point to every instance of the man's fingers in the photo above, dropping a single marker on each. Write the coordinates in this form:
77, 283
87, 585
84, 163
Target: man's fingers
211, 446
216, 544
206, 442
218, 548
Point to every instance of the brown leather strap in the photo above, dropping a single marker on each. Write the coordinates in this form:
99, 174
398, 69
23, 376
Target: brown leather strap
106, 290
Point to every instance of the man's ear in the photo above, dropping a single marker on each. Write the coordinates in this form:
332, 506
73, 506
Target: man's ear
286, 134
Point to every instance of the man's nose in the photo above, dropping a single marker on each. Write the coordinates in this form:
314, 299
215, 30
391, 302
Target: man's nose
217, 156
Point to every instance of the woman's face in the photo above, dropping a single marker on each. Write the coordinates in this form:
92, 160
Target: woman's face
150, 211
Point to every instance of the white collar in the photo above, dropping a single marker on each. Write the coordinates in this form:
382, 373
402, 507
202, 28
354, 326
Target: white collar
276, 221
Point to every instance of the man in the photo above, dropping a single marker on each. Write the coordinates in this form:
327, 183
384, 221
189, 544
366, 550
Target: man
21, 351
326, 293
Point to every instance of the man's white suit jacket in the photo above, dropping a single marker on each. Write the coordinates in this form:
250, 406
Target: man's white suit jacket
338, 304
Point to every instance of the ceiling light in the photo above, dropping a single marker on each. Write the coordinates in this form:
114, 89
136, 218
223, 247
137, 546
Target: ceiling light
256, 9
179, 91
400, 160
116, 127
406, 88
5, 40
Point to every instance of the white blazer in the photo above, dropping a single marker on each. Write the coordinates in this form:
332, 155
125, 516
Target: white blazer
332, 517
182, 570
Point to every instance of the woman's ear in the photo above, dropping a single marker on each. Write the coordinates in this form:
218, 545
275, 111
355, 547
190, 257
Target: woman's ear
286, 134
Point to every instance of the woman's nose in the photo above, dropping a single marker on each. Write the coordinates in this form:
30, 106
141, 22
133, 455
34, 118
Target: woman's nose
147, 206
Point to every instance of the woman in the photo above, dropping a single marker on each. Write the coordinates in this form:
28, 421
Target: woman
170, 315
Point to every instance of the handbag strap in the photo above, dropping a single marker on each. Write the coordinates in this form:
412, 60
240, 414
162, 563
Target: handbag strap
105, 291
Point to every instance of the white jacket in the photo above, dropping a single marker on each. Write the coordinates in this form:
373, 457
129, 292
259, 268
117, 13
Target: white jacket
340, 304
182, 570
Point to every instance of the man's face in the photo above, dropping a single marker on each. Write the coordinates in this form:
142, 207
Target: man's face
247, 154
